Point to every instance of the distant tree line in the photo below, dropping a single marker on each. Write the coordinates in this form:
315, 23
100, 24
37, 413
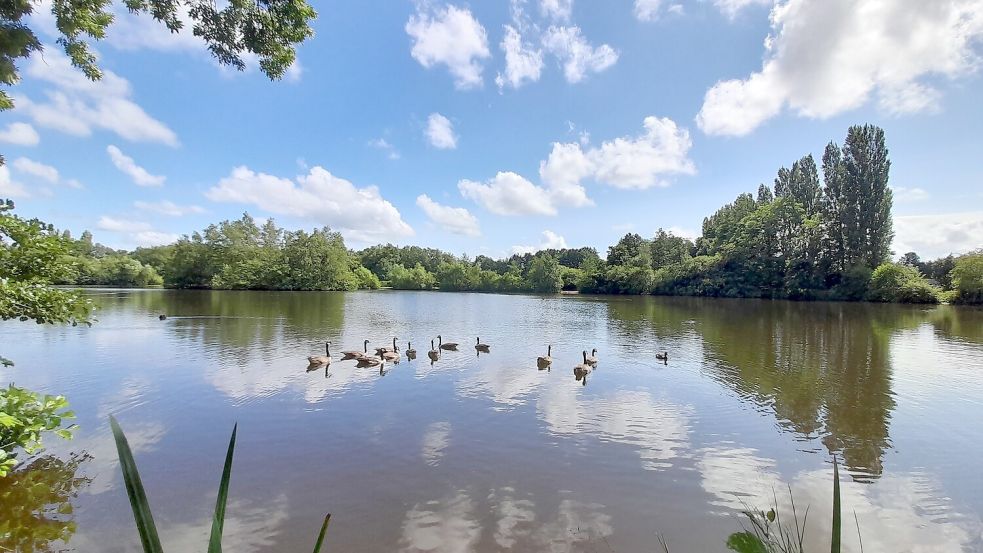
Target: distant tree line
811, 235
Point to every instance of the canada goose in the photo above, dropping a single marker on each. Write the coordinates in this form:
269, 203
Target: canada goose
321, 359
369, 361
162, 317
391, 356
592, 358
664, 356
582, 369
544, 361
442, 345
410, 352
479, 346
356, 354
434, 353
380, 351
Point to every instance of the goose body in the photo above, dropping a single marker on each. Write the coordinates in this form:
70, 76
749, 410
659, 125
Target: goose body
592, 358
380, 351
481, 347
321, 359
434, 353
544, 361
391, 356
369, 361
448, 345
162, 317
582, 369
410, 352
356, 354
664, 356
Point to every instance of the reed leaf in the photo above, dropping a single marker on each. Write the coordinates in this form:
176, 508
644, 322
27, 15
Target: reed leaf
837, 523
320, 536
135, 492
218, 521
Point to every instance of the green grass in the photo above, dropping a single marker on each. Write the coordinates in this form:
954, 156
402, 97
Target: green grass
141, 505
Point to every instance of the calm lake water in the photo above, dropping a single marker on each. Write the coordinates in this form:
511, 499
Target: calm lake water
487, 453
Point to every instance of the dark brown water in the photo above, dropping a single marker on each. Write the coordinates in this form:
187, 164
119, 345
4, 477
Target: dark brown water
487, 453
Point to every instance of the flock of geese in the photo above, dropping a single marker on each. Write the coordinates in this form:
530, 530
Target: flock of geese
385, 354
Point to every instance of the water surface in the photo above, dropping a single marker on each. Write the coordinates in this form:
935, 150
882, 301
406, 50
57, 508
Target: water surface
487, 453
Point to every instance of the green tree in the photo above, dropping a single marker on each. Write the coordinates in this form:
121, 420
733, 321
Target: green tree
545, 274
801, 184
900, 283
668, 249
628, 248
31, 254
417, 278
967, 278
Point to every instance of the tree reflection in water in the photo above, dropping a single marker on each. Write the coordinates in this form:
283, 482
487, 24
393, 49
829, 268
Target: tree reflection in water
37, 503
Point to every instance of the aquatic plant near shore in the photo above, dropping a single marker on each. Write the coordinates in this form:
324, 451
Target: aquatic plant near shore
767, 533
141, 506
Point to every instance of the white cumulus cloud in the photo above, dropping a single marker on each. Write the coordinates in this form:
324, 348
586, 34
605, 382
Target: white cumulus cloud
77, 105
825, 58
558, 10
932, 236
139, 175
523, 62
456, 220
167, 207
576, 54
360, 214
509, 194
37, 169
647, 10
449, 36
637, 162
21, 134
10, 188
551, 241
440, 132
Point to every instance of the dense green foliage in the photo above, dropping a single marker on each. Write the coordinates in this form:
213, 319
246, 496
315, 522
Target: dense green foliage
899, 283
24, 417
800, 239
967, 278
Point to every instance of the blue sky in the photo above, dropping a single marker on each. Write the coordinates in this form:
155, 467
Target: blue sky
493, 127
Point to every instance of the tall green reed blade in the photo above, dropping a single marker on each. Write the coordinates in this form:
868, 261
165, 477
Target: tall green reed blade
320, 536
218, 521
135, 492
837, 523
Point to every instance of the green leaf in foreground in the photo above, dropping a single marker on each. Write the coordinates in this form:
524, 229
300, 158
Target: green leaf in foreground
218, 521
134, 491
837, 523
320, 536
746, 542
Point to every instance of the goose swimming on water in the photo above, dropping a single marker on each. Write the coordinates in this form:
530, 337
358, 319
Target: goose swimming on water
592, 358
356, 354
481, 347
410, 352
321, 359
448, 345
544, 361
434, 353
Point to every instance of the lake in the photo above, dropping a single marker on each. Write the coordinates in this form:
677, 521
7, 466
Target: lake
486, 452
